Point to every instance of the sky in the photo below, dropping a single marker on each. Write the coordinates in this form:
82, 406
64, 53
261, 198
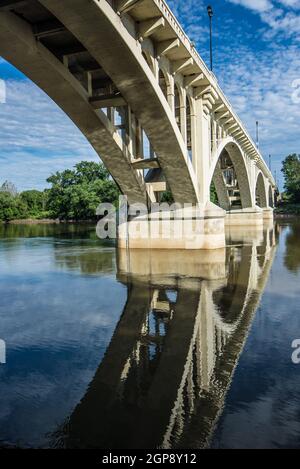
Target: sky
256, 47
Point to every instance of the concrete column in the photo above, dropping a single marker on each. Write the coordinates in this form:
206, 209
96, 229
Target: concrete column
156, 70
183, 125
129, 130
252, 175
214, 134
139, 141
202, 152
90, 83
171, 93
194, 135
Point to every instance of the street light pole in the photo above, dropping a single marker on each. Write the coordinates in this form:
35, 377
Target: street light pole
257, 134
270, 163
210, 14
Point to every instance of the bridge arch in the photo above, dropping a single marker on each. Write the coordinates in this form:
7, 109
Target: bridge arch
125, 66
260, 191
20, 48
234, 179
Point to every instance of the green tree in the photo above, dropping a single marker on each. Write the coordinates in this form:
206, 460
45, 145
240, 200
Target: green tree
11, 207
291, 172
213, 194
35, 201
167, 197
76, 194
89, 171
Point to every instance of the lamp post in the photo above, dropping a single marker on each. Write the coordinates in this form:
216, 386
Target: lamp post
210, 15
270, 163
257, 134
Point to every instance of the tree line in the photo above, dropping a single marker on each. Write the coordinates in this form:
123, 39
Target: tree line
74, 194
291, 172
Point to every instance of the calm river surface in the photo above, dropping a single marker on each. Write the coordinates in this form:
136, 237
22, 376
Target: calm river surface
103, 348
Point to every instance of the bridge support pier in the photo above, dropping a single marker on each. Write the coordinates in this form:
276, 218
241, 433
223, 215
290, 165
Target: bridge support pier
187, 228
268, 213
252, 216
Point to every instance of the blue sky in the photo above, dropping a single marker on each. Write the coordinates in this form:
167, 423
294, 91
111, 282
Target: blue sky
256, 60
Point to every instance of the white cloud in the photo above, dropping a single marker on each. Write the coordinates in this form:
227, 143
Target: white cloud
285, 23
2, 92
256, 5
37, 138
279, 16
290, 3
260, 87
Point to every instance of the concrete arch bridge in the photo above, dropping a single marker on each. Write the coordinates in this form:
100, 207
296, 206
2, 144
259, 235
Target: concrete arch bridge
131, 80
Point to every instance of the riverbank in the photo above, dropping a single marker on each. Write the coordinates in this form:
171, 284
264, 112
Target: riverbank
31, 221
287, 210
283, 211
44, 221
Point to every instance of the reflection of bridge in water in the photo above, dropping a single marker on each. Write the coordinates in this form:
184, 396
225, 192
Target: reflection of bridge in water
165, 374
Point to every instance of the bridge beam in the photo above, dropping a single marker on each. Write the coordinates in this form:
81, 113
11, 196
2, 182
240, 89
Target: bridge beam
124, 6
107, 101
193, 80
180, 65
164, 47
147, 163
47, 28
149, 27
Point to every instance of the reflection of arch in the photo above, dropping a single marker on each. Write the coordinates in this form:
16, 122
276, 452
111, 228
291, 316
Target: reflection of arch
260, 192
236, 156
135, 386
231, 298
164, 377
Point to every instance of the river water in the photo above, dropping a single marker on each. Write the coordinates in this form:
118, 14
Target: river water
101, 348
